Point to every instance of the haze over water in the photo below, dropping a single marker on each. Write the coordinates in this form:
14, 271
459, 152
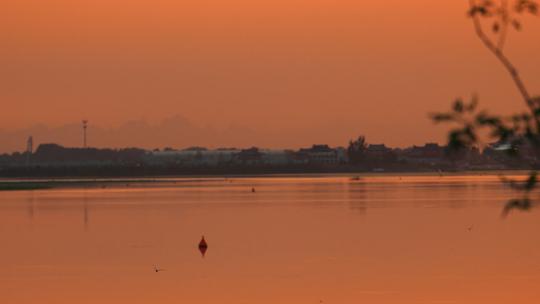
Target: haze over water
330, 239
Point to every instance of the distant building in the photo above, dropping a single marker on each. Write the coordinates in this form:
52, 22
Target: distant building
379, 152
342, 156
430, 153
278, 157
196, 149
251, 156
56, 155
323, 154
194, 157
513, 150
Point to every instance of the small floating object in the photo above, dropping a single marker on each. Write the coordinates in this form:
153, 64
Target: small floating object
157, 269
203, 246
253, 190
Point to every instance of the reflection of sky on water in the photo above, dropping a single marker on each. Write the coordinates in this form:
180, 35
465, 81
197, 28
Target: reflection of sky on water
295, 240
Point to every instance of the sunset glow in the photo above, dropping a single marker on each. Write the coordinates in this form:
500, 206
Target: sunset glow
241, 73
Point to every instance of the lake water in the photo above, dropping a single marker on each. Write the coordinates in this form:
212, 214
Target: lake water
321, 239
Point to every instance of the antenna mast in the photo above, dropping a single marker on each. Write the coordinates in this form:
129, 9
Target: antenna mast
85, 126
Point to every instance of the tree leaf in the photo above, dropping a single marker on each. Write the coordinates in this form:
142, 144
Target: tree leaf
516, 24
442, 117
536, 100
521, 204
533, 8
472, 105
531, 181
495, 27
458, 106
487, 3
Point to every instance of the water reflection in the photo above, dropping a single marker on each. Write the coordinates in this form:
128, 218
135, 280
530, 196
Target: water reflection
356, 192
283, 245
85, 211
30, 205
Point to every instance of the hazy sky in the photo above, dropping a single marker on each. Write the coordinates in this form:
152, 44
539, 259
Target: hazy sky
272, 73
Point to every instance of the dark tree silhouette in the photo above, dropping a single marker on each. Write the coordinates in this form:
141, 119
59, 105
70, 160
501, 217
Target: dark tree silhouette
357, 150
519, 130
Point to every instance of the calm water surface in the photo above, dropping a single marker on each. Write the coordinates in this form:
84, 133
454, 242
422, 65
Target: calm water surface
380, 239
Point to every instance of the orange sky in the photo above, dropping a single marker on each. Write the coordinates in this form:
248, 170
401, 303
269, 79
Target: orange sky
270, 73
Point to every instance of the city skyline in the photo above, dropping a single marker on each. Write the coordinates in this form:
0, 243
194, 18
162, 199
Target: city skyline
174, 131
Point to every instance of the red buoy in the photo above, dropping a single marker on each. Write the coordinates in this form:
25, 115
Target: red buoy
203, 246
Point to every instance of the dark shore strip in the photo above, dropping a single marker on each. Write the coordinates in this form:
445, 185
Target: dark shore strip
146, 171
14, 186
35, 184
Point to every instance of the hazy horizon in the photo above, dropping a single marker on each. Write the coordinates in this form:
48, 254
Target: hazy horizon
271, 73
175, 132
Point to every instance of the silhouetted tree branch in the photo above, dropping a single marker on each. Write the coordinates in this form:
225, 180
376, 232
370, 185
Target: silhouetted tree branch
478, 10
517, 130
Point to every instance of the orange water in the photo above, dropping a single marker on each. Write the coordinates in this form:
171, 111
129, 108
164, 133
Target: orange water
382, 239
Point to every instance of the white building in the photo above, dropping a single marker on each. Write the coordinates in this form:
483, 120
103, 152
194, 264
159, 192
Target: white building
195, 157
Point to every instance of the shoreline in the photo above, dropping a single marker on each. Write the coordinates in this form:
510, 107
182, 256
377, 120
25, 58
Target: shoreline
79, 182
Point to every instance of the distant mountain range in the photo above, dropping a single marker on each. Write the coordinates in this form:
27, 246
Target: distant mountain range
174, 131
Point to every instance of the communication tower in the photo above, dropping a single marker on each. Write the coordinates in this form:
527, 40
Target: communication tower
85, 126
